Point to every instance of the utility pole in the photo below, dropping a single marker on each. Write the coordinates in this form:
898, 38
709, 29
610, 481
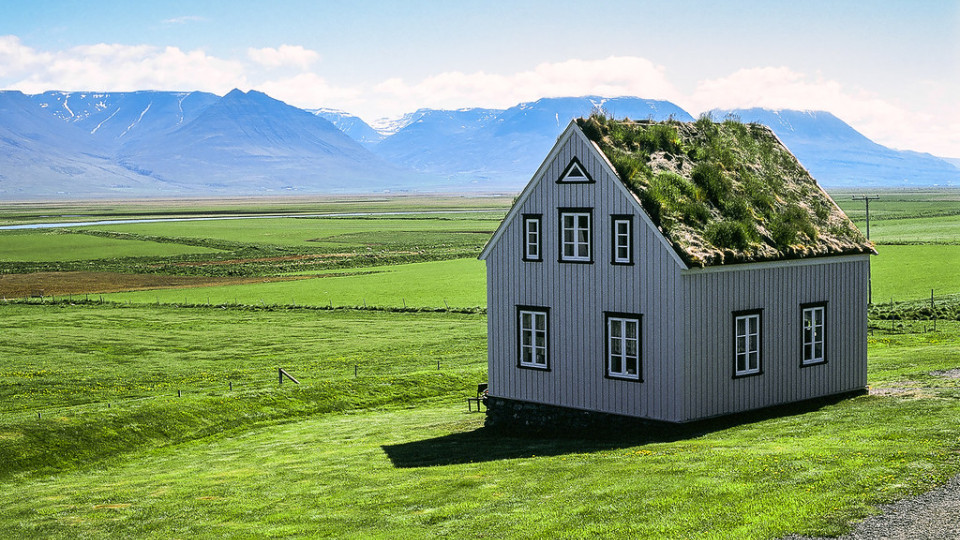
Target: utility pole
866, 200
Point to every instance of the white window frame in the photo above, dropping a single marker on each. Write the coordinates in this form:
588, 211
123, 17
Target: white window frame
533, 335
813, 329
579, 237
747, 343
532, 237
622, 240
619, 340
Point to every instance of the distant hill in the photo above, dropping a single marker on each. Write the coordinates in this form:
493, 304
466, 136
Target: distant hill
140, 144
43, 157
73, 144
501, 149
839, 156
114, 119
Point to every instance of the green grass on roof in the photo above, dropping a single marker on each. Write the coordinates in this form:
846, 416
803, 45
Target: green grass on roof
724, 193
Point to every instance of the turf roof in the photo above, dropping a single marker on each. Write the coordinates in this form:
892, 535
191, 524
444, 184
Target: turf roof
724, 193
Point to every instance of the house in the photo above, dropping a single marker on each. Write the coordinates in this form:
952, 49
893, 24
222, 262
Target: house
672, 272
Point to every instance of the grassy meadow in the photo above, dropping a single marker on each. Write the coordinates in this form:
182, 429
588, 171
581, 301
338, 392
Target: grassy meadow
143, 401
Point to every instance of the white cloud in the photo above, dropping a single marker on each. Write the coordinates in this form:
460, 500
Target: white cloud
113, 67
931, 125
613, 76
183, 20
283, 56
930, 122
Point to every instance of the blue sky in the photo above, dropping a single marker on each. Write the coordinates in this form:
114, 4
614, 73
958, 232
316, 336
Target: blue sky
891, 69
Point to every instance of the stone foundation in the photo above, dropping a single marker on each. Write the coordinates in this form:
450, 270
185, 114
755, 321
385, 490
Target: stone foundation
526, 418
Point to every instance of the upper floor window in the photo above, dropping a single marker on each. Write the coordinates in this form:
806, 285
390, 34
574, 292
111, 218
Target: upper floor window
575, 173
812, 316
622, 239
575, 237
623, 346
532, 234
746, 327
532, 326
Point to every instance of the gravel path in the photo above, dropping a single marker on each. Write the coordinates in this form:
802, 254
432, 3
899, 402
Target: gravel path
934, 515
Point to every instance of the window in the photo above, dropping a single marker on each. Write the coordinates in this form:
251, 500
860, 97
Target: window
622, 239
575, 235
813, 333
531, 237
623, 346
575, 173
532, 323
746, 327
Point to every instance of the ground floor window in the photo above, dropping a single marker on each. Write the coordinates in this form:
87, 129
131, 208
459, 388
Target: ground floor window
533, 327
746, 343
813, 333
623, 345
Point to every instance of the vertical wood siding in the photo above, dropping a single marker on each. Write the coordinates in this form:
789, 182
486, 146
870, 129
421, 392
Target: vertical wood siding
687, 328
578, 295
778, 289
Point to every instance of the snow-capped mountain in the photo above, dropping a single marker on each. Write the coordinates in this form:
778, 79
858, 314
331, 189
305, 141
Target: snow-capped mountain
44, 157
132, 144
352, 125
85, 144
119, 117
839, 156
501, 148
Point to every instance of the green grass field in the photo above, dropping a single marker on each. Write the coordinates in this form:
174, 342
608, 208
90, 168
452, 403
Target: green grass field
51, 246
393, 452
458, 283
119, 420
909, 272
375, 231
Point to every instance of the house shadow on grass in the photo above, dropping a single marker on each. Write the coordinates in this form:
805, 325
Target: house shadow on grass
486, 444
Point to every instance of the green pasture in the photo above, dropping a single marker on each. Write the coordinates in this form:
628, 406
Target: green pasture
457, 283
23, 212
373, 231
59, 357
909, 272
393, 452
900, 273
933, 230
52, 246
899, 204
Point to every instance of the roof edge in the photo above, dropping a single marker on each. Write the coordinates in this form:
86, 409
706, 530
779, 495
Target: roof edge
525, 192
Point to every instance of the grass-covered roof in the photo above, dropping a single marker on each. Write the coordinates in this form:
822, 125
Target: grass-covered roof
724, 193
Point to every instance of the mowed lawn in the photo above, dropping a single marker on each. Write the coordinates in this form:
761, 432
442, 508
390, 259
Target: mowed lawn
54, 357
51, 246
430, 471
458, 283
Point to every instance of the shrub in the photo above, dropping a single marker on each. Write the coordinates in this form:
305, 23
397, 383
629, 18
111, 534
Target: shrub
729, 234
737, 208
787, 225
709, 177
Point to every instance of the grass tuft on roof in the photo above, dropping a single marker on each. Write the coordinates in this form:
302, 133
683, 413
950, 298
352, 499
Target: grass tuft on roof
724, 192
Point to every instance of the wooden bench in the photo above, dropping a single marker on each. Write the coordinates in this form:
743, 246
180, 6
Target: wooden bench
481, 391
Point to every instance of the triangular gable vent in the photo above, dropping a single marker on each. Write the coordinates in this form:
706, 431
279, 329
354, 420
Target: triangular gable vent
575, 173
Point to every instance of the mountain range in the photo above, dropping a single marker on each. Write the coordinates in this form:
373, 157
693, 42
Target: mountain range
137, 144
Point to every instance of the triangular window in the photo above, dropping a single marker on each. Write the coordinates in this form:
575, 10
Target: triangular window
575, 173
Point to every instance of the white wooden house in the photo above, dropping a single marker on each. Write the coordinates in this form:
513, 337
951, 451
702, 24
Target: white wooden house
598, 303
